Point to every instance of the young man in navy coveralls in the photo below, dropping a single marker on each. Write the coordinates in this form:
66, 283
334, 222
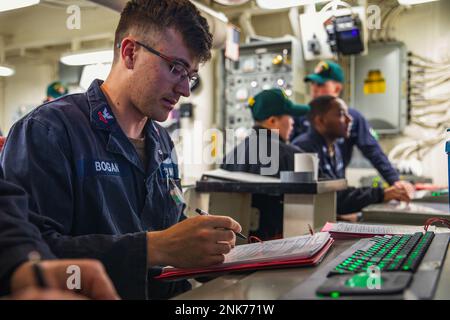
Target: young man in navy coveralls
102, 175
330, 121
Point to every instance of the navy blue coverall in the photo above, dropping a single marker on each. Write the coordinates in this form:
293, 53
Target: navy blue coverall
92, 195
350, 200
361, 137
18, 236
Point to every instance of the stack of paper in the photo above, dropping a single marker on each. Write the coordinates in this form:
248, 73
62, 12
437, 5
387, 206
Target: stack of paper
355, 230
289, 252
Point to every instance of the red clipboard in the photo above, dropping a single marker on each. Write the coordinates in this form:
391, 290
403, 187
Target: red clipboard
177, 273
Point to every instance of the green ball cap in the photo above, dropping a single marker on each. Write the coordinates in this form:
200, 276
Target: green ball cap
325, 71
274, 102
56, 89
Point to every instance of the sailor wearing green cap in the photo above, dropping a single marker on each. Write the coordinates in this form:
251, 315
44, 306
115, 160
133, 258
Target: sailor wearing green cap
266, 151
272, 111
326, 71
55, 90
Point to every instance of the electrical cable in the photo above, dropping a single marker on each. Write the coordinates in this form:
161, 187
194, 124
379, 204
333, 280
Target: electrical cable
392, 21
387, 22
427, 60
376, 32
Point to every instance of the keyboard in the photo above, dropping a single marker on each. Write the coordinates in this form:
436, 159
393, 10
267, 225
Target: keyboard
388, 253
408, 267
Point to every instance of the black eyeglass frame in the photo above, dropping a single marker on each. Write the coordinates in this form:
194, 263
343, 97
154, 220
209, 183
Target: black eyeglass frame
173, 64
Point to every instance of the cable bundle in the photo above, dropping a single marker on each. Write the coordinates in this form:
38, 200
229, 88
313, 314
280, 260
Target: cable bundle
429, 106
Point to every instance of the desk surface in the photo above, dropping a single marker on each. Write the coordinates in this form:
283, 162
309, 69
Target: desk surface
219, 185
272, 284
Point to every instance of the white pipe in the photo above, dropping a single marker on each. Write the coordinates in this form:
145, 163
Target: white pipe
294, 18
245, 20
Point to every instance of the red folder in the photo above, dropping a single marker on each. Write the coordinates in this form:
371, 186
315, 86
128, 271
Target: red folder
178, 273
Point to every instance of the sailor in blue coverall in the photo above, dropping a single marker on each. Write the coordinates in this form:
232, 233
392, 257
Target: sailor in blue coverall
328, 79
102, 175
330, 121
18, 237
87, 182
272, 112
21, 240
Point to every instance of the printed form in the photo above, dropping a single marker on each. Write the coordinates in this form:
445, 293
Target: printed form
282, 249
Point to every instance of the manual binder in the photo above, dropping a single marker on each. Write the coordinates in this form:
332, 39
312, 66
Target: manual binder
307, 250
342, 230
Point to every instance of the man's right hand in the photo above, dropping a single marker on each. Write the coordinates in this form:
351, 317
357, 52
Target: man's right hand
394, 193
195, 242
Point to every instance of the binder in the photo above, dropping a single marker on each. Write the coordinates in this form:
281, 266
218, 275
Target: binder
342, 231
301, 251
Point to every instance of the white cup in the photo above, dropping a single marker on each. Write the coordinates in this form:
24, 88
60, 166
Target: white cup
307, 162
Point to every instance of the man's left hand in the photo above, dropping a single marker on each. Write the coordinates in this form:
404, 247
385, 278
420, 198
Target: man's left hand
408, 187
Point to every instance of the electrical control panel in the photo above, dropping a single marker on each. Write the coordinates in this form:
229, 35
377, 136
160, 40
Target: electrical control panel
379, 86
261, 66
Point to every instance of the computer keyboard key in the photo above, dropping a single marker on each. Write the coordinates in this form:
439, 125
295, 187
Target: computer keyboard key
397, 253
417, 255
336, 272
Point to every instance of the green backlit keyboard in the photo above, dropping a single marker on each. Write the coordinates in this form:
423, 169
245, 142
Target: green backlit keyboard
394, 267
388, 253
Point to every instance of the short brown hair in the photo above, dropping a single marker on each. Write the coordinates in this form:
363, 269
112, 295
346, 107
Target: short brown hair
143, 16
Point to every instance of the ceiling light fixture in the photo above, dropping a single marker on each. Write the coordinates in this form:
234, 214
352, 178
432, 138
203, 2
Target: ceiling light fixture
83, 58
6, 5
6, 71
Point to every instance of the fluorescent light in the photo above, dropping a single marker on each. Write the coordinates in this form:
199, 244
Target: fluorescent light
88, 57
6, 71
411, 2
281, 4
6, 5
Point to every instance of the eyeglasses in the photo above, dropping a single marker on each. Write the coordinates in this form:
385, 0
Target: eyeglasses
177, 68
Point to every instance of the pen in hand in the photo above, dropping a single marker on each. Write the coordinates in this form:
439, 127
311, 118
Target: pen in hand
311, 230
204, 213
35, 258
